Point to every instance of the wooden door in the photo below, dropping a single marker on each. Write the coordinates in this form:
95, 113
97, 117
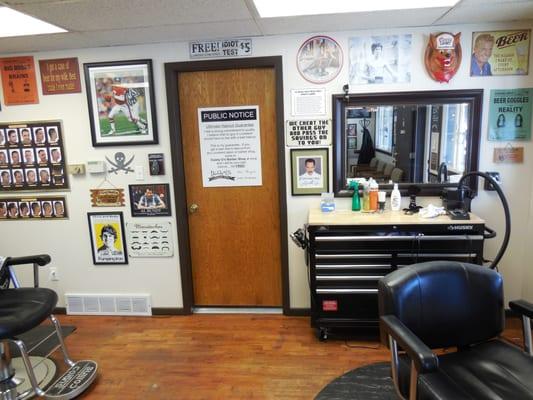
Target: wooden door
235, 232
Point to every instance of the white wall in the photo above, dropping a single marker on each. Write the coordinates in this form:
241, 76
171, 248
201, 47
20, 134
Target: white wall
68, 241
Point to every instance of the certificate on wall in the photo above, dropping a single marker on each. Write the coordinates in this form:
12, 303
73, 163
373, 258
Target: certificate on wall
510, 114
230, 146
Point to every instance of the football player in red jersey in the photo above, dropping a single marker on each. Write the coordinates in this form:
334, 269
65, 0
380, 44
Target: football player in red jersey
126, 102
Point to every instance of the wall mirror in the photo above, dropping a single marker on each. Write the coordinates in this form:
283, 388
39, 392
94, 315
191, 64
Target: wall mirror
428, 138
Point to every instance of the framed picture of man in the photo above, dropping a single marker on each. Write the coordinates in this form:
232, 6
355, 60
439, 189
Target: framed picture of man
150, 200
108, 242
310, 171
121, 102
499, 53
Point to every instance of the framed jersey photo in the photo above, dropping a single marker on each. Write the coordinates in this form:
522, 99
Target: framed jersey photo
121, 102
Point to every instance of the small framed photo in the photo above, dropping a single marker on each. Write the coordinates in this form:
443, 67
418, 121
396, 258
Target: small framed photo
108, 242
121, 102
309, 170
150, 200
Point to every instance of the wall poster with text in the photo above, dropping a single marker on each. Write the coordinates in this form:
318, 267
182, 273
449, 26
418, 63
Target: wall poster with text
230, 146
500, 53
510, 114
18, 80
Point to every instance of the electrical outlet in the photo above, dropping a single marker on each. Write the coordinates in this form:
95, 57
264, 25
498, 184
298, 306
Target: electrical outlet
53, 274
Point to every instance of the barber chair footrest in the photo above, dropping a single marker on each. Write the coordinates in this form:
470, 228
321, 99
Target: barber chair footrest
73, 382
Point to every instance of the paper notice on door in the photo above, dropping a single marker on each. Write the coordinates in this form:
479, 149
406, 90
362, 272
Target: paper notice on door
230, 146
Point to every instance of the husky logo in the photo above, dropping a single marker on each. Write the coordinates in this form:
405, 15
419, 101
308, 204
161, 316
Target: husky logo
460, 227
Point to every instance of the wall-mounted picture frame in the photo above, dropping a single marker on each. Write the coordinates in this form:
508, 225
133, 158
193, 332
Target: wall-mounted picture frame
309, 171
319, 59
32, 156
108, 242
31, 208
150, 200
121, 102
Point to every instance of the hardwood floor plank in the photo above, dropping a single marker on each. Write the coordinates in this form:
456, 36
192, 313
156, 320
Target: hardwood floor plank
215, 356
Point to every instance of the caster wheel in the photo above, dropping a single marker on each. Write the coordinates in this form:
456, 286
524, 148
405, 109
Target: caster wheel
322, 334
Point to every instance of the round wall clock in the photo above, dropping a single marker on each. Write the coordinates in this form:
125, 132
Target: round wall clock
319, 59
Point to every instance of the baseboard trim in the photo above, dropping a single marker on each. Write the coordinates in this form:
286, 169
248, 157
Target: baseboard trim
298, 312
168, 311
60, 310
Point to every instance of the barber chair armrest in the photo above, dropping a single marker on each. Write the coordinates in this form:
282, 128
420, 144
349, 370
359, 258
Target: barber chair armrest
40, 259
422, 356
36, 260
522, 307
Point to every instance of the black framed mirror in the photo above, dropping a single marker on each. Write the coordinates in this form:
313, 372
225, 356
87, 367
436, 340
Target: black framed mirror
428, 138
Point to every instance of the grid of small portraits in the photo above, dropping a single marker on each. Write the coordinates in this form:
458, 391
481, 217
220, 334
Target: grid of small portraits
32, 156
33, 208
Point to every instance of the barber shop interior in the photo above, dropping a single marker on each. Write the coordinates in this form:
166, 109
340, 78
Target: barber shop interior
266, 199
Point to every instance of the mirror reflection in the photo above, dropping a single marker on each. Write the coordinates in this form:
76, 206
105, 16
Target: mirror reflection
416, 143
427, 138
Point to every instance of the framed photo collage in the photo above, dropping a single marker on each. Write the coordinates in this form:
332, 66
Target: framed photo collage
32, 157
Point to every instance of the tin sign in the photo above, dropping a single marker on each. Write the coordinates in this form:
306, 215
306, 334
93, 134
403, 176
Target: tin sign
220, 48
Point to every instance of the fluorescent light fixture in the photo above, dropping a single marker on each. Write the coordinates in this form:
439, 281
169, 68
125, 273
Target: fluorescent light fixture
14, 23
287, 8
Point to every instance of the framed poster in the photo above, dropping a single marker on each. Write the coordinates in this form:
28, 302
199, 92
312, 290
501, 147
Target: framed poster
107, 238
380, 59
319, 59
32, 156
21, 208
510, 114
309, 170
150, 200
498, 53
18, 80
149, 239
121, 102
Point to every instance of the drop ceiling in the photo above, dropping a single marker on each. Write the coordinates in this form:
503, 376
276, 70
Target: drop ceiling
101, 23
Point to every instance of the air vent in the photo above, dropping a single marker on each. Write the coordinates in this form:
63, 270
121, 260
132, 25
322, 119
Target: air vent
108, 304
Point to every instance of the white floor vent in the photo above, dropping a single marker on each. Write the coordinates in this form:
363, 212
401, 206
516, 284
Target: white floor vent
108, 304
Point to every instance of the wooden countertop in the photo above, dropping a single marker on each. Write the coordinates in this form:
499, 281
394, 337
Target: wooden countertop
348, 217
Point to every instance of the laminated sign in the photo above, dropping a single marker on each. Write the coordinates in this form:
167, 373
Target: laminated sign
230, 146
308, 132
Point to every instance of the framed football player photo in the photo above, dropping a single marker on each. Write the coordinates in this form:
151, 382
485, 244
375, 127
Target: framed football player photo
121, 102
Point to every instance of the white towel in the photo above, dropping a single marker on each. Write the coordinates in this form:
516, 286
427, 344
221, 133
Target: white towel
431, 211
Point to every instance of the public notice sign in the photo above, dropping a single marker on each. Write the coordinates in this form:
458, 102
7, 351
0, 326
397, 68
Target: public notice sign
220, 48
309, 132
510, 114
230, 146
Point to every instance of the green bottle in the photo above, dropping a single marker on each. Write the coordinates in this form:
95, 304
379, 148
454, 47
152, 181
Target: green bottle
356, 202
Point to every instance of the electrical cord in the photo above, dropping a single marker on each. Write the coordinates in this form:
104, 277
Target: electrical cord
505, 204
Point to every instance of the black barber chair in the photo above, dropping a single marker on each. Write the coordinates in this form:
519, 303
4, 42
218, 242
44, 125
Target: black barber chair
446, 304
22, 309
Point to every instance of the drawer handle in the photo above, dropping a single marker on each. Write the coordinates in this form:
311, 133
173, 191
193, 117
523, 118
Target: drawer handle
326, 291
396, 238
450, 255
360, 238
323, 256
348, 277
353, 266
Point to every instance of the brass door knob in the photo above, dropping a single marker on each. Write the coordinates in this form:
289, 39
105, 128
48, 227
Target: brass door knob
193, 208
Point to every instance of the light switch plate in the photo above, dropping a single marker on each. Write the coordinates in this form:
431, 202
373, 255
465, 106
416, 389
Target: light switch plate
139, 173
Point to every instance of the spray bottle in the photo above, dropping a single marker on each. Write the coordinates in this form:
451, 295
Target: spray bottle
356, 202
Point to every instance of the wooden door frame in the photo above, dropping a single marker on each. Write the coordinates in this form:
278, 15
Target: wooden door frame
176, 147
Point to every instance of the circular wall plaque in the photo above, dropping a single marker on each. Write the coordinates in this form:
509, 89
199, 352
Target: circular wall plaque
319, 59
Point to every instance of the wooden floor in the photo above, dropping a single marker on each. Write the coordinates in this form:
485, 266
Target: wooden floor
216, 356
